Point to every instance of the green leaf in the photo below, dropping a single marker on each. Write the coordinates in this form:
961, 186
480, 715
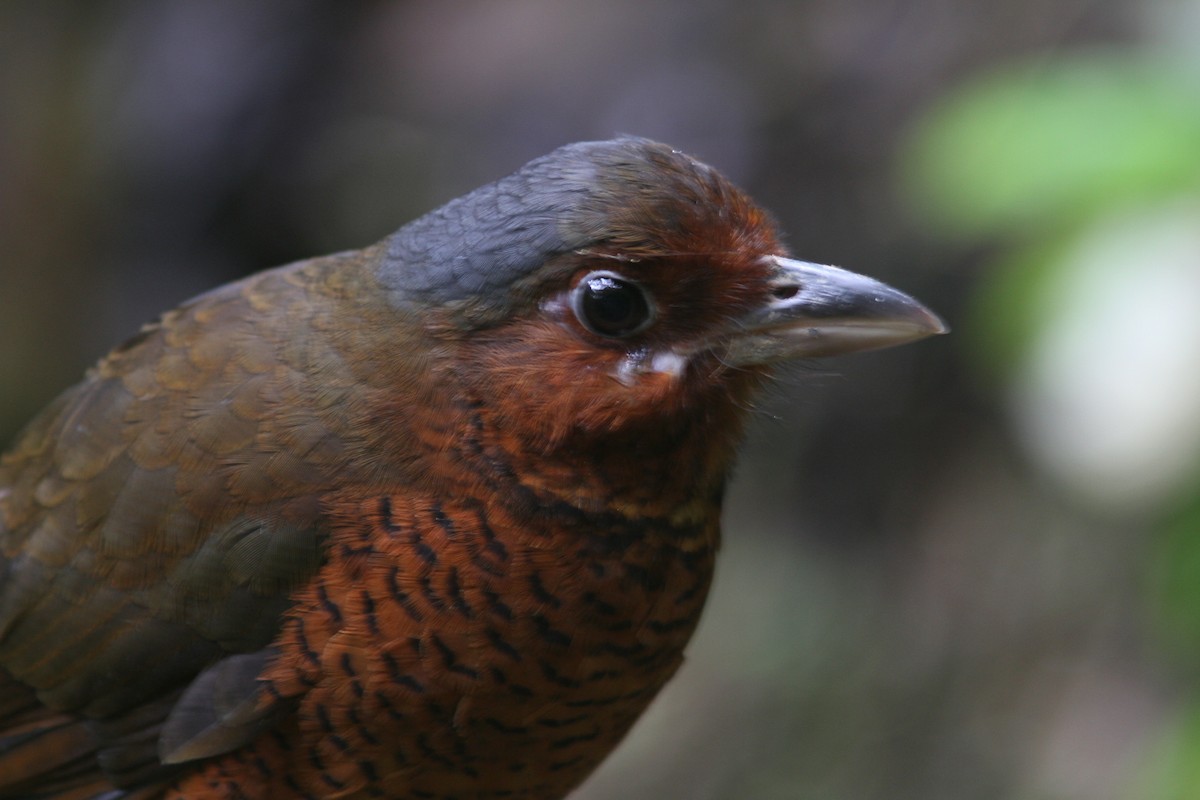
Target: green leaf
1052, 142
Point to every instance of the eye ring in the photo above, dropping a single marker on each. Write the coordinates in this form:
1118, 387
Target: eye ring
611, 305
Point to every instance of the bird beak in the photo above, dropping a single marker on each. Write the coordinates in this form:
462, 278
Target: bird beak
816, 310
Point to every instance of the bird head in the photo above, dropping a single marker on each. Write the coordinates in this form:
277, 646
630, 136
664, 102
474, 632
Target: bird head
623, 294
612, 282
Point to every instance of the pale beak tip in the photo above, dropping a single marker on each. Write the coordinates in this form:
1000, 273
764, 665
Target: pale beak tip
933, 325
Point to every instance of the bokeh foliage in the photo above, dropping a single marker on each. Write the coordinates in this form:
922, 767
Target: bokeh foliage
1040, 157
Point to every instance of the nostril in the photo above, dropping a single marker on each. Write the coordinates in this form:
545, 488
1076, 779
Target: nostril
785, 292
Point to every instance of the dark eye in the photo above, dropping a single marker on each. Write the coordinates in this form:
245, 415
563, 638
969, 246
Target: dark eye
610, 305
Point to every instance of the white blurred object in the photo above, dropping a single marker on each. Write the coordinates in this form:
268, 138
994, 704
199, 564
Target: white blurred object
1109, 398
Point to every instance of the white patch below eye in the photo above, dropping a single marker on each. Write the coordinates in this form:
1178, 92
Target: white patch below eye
666, 362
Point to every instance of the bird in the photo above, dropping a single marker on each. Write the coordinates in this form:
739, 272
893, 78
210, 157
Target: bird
435, 518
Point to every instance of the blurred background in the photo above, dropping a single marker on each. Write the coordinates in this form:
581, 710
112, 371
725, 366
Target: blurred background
968, 568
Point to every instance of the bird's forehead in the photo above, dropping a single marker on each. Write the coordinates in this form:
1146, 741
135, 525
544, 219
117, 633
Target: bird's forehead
628, 192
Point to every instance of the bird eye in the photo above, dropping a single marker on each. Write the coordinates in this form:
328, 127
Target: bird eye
610, 305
